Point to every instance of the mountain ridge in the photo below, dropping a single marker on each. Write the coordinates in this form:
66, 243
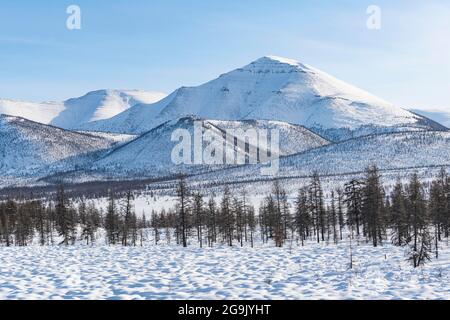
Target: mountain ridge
441, 116
270, 88
152, 150
73, 112
29, 149
324, 124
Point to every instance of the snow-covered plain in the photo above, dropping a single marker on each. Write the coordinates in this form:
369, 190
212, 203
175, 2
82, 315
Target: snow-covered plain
265, 272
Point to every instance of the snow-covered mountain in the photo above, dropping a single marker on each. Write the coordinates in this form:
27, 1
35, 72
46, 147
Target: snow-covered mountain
94, 106
150, 154
101, 105
441, 116
43, 112
401, 153
31, 149
325, 125
271, 88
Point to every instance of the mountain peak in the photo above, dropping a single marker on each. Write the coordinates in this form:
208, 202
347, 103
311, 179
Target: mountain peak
276, 63
282, 60
101, 104
269, 88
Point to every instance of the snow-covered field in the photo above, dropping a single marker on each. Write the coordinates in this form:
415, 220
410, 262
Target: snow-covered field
171, 272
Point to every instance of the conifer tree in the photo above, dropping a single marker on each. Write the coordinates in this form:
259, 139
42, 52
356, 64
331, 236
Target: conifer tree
251, 223
227, 217
239, 214
438, 208
397, 212
419, 239
198, 211
212, 221
128, 219
64, 217
302, 217
112, 220
340, 212
41, 223
373, 205
155, 225
317, 207
7, 218
183, 203
332, 218
91, 224
353, 201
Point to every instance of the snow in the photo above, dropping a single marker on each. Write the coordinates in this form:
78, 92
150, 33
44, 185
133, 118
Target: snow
100, 105
94, 106
270, 88
439, 115
39, 112
325, 125
150, 154
283, 60
265, 272
394, 153
116, 137
31, 149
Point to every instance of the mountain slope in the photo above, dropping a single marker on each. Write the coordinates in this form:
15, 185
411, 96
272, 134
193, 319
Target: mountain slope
43, 112
31, 149
442, 116
150, 154
95, 105
100, 105
392, 151
270, 88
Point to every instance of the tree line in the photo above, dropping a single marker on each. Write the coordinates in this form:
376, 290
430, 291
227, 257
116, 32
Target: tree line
410, 215
62, 222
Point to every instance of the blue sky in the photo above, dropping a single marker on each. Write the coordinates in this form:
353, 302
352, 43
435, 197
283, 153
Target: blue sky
161, 45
